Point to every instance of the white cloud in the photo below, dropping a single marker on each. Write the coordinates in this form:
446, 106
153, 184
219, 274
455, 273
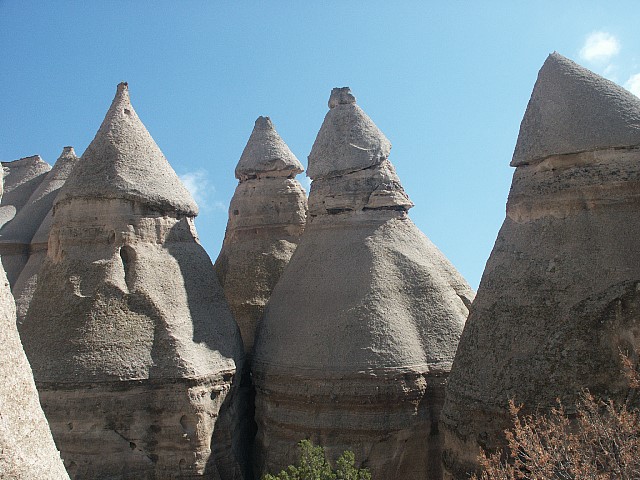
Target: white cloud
599, 47
305, 182
633, 84
197, 182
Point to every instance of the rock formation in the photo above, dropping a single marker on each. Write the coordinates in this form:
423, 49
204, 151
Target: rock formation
559, 296
27, 450
266, 218
22, 179
40, 203
132, 344
361, 329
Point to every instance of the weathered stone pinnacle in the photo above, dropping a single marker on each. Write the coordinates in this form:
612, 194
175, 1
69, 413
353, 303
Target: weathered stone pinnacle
266, 154
574, 110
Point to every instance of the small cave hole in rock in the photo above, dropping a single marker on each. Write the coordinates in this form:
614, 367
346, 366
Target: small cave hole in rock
189, 424
132, 445
127, 111
128, 257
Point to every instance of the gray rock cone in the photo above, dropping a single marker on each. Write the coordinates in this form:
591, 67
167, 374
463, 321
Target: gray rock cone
267, 215
574, 110
360, 331
40, 200
22, 178
27, 450
132, 344
559, 297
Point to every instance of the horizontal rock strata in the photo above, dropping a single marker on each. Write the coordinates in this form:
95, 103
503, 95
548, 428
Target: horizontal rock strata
362, 327
133, 347
559, 296
267, 215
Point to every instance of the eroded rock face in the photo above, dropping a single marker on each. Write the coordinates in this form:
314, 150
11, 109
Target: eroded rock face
559, 296
27, 450
266, 218
22, 180
40, 203
133, 347
361, 329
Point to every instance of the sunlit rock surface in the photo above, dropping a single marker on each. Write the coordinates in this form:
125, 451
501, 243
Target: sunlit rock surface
267, 215
132, 344
360, 331
27, 450
559, 298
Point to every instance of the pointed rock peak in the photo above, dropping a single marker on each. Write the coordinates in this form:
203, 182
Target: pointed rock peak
66, 161
341, 96
123, 161
33, 160
266, 154
348, 139
68, 152
573, 110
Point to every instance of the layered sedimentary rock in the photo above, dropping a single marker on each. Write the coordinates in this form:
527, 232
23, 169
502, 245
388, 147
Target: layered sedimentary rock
22, 178
133, 347
360, 331
40, 205
27, 450
267, 215
559, 297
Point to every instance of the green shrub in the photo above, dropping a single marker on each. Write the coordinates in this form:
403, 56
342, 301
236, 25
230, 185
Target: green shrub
313, 465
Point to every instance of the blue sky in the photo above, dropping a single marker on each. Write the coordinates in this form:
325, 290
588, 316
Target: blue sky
447, 82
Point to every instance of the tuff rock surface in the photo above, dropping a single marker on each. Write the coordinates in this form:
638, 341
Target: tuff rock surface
27, 450
267, 215
41, 200
559, 298
22, 179
133, 347
360, 331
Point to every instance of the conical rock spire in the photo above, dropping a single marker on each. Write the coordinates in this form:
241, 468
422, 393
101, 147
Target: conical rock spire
128, 333
21, 178
560, 293
123, 161
574, 110
22, 210
348, 139
366, 312
266, 154
267, 215
27, 221
42, 199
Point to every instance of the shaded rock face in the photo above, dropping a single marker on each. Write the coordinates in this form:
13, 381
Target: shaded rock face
360, 331
266, 218
559, 297
40, 204
27, 450
22, 180
133, 347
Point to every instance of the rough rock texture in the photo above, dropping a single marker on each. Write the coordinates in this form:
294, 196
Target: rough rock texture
150, 179
40, 205
574, 110
133, 347
266, 218
559, 295
27, 450
22, 179
361, 329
